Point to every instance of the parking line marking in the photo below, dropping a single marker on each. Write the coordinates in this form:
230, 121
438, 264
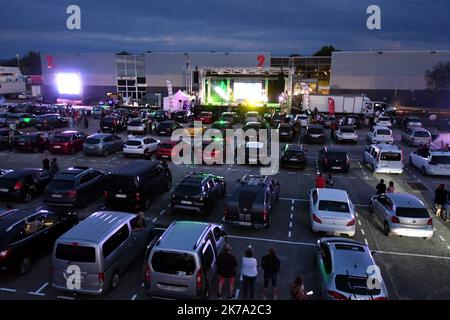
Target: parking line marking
293, 201
363, 233
162, 212
142, 284
448, 247
154, 219
359, 222
134, 297
289, 234
290, 224
40, 289
291, 173
65, 298
442, 238
292, 215
8, 290
273, 240
414, 254
356, 214
292, 208
366, 242
36, 294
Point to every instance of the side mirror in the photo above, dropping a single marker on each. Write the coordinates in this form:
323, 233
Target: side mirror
374, 252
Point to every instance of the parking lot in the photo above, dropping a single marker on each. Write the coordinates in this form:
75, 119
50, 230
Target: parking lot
412, 268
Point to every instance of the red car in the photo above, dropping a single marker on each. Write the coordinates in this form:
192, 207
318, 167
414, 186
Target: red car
205, 117
165, 149
67, 142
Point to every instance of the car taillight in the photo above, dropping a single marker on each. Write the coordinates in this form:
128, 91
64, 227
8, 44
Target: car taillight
4, 254
380, 298
226, 213
101, 278
351, 223
265, 215
430, 221
138, 196
18, 185
105, 193
147, 274
199, 279
316, 219
336, 295
395, 219
72, 193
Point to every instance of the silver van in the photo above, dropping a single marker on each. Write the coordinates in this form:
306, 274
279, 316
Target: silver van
182, 263
99, 249
384, 158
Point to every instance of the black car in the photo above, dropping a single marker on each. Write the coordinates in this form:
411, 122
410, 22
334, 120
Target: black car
293, 156
277, 119
182, 116
21, 120
23, 184
167, 127
133, 186
113, 123
253, 201
160, 116
222, 126
314, 134
74, 187
198, 192
231, 117
286, 131
334, 158
51, 121
25, 235
31, 142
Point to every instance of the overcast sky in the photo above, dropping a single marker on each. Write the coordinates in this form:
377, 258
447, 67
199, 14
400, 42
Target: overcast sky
281, 27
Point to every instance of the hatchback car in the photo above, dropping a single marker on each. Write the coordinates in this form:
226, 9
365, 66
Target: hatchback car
31, 142
314, 134
113, 123
138, 126
23, 184
416, 136
384, 121
402, 214
286, 131
334, 158
434, 163
51, 121
205, 117
346, 134
140, 146
67, 142
231, 117
380, 134
166, 128
293, 156
102, 144
182, 116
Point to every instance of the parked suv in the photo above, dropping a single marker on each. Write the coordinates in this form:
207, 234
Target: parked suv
27, 235
134, 185
334, 158
315, 134
31, 142
138, 126
167, 127
51, 121
198, 192
252, 203
74, 187
113, 123
23, 184
182, 116
380, 134
293, 156
67, 142
102, 144
182, 263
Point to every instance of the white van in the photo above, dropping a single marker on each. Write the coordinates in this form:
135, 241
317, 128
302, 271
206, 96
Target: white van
384, 158
380, 134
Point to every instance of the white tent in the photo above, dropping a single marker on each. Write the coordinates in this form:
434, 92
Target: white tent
178, 101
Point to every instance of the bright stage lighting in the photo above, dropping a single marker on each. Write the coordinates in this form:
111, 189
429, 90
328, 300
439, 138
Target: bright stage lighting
250, 91
221, 92
68, 83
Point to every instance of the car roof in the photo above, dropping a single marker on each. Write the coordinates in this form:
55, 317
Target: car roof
315, 126
405, 200
354, 262
387, 147
16, 215
168, 122
100, 135
332, 194
66, 133
49, 114
335, 149
347, 127
419, 129
95, 227
137, 168
381, 128
19, 173
440, 153
73, 171
182, 235
294, 147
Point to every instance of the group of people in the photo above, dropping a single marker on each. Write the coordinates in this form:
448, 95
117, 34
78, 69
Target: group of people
382, 188
51, 167
270, 264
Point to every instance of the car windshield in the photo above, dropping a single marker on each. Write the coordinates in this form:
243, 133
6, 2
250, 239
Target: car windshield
334, 206
383, 132
422, 134
354, 285
205, 114
413, 120
285, 128
75, 253
337, 155
61, 139
135, 123
23, 138
315, 131
347, 130
92, 141
134, 143
164, 125
391, 156
294, 153
384, 119
121, 183
61, 184
412, 212
440, 160
187, 190
173, 263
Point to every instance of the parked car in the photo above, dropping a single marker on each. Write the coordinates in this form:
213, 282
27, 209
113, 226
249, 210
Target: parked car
384, 158
113, 123
231, 117
167, 127
331, 211
67, 142
133, 186
416, 136
198, 192
345, 134
354, 121
23, 184
194, 129
343, 269
182, 263
164, 150
102, 144
277, 119
31, 142
433, 163
21, 120
402, 214
314, 134
140, 146
286, 131
412, 122
98, 110
102, 246
160, 115
205, 117
380, 134
334, 158
51, 121
252, 116
222, 125
75, 186
4, 137
138, 126
182, 116
328, 120
384, 121
252, 202
28, 234
293, 156
303, 119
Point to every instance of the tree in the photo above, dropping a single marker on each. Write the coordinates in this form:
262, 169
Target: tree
438, 78
29, 64
325, 51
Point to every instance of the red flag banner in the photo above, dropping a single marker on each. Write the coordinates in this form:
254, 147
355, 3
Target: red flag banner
330, 106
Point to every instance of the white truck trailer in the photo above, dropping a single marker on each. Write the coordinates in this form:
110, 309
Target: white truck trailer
343, 104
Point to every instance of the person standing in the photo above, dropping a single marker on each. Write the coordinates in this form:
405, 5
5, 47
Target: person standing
390, 188
330, 181
249, 271
440, 198
271, 266
54, 168
226, 268
381, 187
298, 289
320, 181
86, 122
70, 122
10, 142
46, 163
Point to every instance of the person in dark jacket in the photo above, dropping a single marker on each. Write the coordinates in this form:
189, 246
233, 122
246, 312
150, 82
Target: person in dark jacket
440, 198
46, 163
381, 187
271, 266
226, 265
54, 168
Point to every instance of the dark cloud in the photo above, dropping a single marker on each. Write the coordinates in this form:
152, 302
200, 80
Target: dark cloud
278, 26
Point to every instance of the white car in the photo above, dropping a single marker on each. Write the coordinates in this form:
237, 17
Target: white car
346, 133
140, 146
139, 126
380, 134
384, 158
433, 163
303, 118
413, 122
384, 121
415, 136
331, 211
252, 116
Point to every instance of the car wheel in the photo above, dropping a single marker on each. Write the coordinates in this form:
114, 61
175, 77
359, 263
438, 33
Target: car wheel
27, 196
386, 229
105, 153
424, 171
115, 280
24, 265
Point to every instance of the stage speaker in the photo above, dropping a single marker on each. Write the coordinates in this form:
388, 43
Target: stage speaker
195, 77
